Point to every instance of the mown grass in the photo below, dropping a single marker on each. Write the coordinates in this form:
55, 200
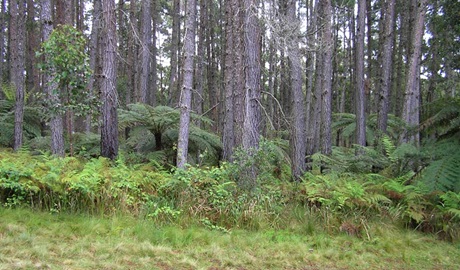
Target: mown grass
41, 240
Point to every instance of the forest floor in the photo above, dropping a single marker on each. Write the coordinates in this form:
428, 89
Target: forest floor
37, 240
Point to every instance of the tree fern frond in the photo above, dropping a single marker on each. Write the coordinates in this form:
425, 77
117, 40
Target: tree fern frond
443, 173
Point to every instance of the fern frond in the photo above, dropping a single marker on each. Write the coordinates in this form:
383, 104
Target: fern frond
443, 173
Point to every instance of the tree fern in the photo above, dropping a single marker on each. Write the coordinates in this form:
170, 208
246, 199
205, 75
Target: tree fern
443, 166
155, 129
444, 120
346, 124
31, 125
443, 169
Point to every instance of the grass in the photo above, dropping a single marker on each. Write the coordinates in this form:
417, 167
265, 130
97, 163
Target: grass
39, 240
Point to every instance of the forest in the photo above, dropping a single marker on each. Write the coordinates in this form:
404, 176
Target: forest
299, 116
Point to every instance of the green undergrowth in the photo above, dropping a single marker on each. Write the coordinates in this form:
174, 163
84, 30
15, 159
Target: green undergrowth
211, 198
42, 240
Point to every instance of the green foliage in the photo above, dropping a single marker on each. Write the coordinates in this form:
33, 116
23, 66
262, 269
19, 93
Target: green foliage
154, 131
344, 125
211, 197
32, 119
67, 63
342, 194
271, 161
86, 145
442, 166
385, 158
71, 184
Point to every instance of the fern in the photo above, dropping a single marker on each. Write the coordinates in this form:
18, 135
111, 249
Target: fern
346, 124
442, 172
31, 122
156, 129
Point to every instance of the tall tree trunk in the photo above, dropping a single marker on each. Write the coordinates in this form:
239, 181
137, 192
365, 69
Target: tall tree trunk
312, 106
94, 56
187, 85
228, 136
154, 50
3, 32
238, 62
33, 79
298, 137
17, 47
198, 98
175, 46
131, 87
80, 15
3, 35
387, 64
326, 95
109, 130
213, 91
145, 51
50, 86
412, 91
251, 34
360, 92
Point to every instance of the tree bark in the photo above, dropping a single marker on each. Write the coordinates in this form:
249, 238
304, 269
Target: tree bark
94, 55
33, 79
412, 92
386, 68
3, 35
145, 51
198, 98
56, 124
17, 47
298, 148
251, 34
360, 92
326, 95
187, 85
153, 75
238, 62
175, 45
109, 117
228, 136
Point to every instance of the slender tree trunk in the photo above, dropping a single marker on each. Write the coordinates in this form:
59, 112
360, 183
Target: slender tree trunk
131, 55
311, 95
50, 86
175, 46
213, 91
238, 62
17, 47
326, 95
33, 79
198, 98
3, 35
412, 92
187, 85
154, 50
228, 136
79, 14
370, 60
387, 64
251, 34
298, 137
109, 130
145, 51
360, 92
94, 56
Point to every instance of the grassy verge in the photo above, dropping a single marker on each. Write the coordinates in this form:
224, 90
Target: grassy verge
37, 240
